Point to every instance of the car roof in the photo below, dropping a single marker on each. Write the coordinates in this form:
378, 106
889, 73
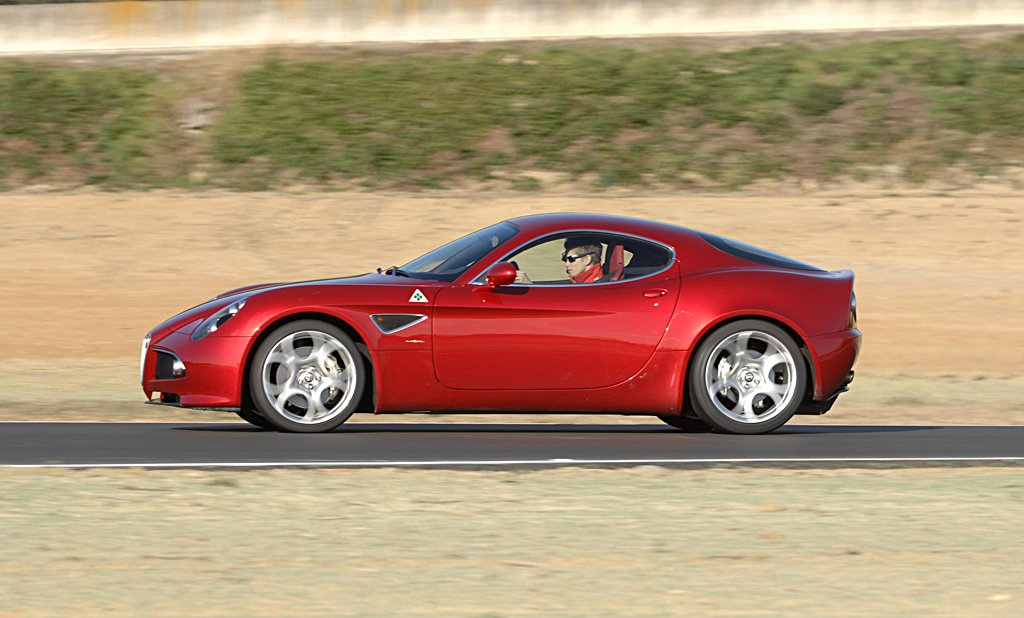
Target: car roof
554, 222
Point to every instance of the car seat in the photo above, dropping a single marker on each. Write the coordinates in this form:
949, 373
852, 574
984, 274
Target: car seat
613, 264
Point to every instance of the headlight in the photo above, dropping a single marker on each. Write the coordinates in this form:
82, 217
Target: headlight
218, 319
142, 361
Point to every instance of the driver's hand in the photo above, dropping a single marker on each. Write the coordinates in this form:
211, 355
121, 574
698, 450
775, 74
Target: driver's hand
522, 278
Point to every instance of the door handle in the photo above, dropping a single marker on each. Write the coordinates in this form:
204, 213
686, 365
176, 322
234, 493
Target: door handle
655, 293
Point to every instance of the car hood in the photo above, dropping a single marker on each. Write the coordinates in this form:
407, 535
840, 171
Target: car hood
248, 288
188, 320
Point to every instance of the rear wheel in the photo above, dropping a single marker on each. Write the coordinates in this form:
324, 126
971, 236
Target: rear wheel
748, 377
307, 376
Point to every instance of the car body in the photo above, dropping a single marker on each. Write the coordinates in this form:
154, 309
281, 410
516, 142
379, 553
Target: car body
697, 329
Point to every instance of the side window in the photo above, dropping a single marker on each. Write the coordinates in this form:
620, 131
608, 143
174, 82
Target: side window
542, 263
588, 257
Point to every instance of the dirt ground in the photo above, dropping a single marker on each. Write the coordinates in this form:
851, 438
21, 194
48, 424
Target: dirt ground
940, 275
645, 541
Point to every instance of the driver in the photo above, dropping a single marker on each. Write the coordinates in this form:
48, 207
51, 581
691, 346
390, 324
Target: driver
582, 261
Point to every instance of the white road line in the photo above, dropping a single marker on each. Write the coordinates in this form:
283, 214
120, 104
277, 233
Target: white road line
512, 462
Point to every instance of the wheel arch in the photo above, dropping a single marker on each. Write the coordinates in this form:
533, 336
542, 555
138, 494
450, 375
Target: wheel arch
369, 397
805, 351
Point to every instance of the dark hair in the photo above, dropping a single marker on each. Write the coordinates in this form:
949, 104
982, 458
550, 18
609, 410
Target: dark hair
589, 246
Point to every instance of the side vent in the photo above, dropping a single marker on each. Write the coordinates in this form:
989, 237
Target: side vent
393, 322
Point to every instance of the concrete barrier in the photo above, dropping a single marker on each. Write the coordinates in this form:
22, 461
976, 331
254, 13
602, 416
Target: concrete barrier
112, 26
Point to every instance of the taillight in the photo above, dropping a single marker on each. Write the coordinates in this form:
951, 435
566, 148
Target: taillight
853, 310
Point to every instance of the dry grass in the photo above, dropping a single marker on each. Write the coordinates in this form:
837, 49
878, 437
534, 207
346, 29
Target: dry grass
571, 542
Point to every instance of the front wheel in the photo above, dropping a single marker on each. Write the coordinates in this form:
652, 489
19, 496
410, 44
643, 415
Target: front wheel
747, 377
307, 376
253, 417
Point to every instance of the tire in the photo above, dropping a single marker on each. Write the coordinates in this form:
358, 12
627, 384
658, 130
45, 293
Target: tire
686, 423
306, 377
748, 377
247, 414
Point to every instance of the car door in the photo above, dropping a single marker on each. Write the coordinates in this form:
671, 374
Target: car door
550, 336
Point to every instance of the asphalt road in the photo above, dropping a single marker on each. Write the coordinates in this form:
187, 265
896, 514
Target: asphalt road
448, 445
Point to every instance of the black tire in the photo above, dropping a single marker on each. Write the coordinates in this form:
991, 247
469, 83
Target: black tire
247, 414
730, 388
309, 379
686, 423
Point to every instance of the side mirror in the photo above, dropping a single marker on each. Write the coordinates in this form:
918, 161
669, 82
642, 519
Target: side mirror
502, 273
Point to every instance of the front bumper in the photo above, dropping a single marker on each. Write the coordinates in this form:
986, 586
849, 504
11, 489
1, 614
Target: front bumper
213, 370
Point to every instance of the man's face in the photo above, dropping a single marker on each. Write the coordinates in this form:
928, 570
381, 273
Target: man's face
576, 262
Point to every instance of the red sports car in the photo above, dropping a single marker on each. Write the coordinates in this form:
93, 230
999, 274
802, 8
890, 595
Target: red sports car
545, 313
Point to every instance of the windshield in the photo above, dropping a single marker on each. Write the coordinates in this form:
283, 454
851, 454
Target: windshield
448, 262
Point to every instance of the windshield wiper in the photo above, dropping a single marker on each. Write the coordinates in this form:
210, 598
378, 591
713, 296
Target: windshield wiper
394, 270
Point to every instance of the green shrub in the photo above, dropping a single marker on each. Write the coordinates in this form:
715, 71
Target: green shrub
97, 121
598, 111
817, 99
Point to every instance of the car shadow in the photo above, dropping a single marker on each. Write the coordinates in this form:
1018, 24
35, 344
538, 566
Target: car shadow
554, 428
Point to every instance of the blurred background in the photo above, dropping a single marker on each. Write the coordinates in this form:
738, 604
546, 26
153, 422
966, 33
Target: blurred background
267, 94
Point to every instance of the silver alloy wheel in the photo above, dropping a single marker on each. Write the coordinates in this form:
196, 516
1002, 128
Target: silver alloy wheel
750, 377
309, 377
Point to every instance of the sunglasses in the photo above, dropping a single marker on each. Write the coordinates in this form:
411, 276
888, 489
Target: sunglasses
573, 258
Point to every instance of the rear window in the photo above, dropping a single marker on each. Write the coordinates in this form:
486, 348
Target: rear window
751, 253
